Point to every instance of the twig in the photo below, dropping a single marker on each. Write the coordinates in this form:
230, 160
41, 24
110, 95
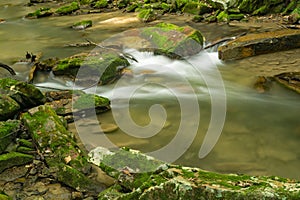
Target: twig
8, 68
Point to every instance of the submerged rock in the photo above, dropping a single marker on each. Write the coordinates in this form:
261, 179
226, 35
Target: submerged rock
290, 80
164, 181
260, 43
82, 25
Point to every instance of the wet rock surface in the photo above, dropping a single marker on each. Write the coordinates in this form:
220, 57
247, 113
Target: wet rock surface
143, 177
260, 43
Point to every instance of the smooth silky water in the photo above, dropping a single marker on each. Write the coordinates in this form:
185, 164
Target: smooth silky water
261, 133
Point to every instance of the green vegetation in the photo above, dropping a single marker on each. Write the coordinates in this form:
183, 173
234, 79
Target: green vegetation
68, 9
13, 159
87, 101
101, 4
82, 24
147, 15
8, 131
42, 12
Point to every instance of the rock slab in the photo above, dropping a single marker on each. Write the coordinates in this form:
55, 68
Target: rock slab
260, 43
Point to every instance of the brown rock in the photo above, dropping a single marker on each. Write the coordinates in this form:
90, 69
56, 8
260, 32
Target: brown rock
260, 43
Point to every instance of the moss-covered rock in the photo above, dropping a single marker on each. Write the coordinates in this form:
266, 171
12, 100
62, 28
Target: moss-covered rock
107, 65
8, 107
4, 196
101, 4
42, 12
173, 41
60, 148
290, 80
8, 132
82, 24
196, 8
14, 159
166, 181
24, 94
260, 43
147, 15
237, 16
68, 9
222, 16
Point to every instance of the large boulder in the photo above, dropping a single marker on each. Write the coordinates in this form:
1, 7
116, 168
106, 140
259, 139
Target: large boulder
59, 148
142, 177
163, 39
104, 63
260, 43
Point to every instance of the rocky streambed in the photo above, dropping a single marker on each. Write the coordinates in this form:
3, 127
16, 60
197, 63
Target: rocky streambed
41, 159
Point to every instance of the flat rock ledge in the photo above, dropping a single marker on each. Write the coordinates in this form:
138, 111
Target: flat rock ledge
260, 43
142, 177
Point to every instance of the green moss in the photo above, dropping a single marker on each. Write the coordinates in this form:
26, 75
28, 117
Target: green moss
8, 131
8, 107
222, 16
25, 143
41, 12
86, 101
13, 159
107, 66
3, 196
76, 179
6, 83
196, 8
101, 4
147, 15
235, 16
68, 9
127, 158
82, 24
261, 10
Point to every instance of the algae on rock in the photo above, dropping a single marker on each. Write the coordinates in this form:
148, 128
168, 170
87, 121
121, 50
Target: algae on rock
166, 181
60, 148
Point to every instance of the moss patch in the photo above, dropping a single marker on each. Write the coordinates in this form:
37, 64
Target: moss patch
8, 131
13, 159
68, 9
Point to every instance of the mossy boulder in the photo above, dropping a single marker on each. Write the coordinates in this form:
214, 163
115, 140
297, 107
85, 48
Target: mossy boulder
68, 9
8, 132
82, 25
106, 65
100, 4
196, 8
76, 103
14, 159
39, 13
147, 15
172, 40
60, 149
26, 95
8, 107
260, 43
166, 181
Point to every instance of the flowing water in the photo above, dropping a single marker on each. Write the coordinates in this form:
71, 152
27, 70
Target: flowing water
261, 132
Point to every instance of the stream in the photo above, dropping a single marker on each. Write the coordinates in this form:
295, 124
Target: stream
160, 101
